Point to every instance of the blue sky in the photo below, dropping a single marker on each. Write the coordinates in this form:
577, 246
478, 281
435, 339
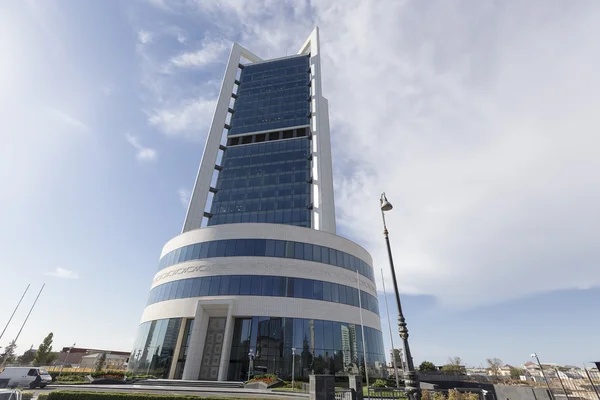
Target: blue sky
478, 119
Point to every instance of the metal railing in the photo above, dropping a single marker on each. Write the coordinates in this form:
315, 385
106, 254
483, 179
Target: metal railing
585, 388
344, 394
386, 393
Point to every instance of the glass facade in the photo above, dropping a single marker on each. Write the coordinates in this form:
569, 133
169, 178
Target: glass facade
272, 95
260, 285
183, 352
267, 248
154, 347
322, 347
264, 182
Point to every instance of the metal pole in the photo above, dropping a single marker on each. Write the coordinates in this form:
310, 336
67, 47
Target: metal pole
65, 360
387, 310
411, 381
24, 322
293, 364
362, 327
250, 357
544, 375
591, 382
15, 310
561, 383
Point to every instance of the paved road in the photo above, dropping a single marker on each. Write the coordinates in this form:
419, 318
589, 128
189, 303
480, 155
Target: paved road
218, 392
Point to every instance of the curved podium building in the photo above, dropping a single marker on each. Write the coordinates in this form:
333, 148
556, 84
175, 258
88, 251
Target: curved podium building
258, 279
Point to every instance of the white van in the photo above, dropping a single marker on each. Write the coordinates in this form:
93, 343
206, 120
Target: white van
30, 377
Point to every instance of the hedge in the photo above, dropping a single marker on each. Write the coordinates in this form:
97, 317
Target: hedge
81, 395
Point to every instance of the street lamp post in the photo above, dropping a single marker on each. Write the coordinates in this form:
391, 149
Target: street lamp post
293, 365
411, 381
65, 360
387, 310
534, 355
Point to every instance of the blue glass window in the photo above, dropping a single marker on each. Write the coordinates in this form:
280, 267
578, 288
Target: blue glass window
234, 285
224, 289
215, 282
245, 285
204, 288
230, 248
327, 291
267, 247
267, 286
258, 285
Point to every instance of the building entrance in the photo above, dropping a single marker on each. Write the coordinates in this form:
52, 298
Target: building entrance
213, 346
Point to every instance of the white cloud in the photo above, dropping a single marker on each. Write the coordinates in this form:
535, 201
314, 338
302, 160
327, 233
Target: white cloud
145, 37
184, 197
210, 52
189, 118
63, 273
483, 135
143, 153
69, 120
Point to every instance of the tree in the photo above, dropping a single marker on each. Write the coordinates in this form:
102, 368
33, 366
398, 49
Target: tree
100, 362
454, 367
427, 366
44, 349
494, 365
27, 357
53, 356
515, 373
9, 354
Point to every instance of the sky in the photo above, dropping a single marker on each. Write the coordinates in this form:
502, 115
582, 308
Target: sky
477, 118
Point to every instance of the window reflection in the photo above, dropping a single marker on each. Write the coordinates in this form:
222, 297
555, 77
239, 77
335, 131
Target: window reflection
154, 347
322, 347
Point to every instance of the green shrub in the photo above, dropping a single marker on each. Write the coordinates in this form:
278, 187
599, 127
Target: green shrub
54, 374
470, 396
26, 395
267, 376
425, 395
297, 385
439, 396
110, 372
72, 395
71, 378
379, 383
454, 395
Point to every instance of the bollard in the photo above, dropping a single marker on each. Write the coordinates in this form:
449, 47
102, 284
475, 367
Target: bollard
355, 382
322, 387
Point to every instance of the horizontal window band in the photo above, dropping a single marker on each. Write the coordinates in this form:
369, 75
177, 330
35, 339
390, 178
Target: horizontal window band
261, 285
267, 248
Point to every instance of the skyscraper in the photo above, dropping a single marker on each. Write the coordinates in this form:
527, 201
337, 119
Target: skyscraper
259, 241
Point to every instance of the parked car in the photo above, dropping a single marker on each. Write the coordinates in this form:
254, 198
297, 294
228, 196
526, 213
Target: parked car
29, 377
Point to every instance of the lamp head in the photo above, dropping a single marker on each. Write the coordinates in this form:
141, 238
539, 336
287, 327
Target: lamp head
533, 355
385, 204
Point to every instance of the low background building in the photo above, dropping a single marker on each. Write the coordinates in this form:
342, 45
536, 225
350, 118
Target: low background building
74, 356
112, 361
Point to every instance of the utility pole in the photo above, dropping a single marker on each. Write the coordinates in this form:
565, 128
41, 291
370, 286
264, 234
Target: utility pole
24, 322
15, 310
